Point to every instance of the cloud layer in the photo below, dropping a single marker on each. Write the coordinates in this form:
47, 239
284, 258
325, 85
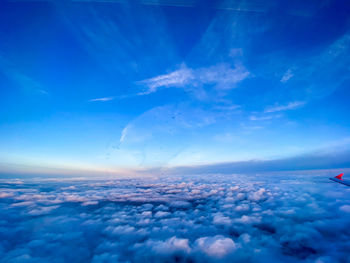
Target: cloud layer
235, 218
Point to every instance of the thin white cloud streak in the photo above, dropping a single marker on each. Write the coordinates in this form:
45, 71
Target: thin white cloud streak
124, 134
102, 99
227, 107
263, 118
19, 78
222, 76
290, 106
177, 78
287, 76
44, 92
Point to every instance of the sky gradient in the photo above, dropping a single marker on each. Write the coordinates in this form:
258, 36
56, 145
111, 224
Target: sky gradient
119, 85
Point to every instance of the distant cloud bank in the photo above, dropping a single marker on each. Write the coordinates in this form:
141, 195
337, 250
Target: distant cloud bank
331, 159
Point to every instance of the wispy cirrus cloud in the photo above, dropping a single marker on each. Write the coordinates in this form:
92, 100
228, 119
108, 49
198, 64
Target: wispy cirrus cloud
177, 78
287, 76
227, 108
11, 71
124, 133
222, 76
263, 118
102, 99
290, 106
43, 92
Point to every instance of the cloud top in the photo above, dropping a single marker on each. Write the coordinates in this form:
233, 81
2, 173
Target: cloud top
221, 218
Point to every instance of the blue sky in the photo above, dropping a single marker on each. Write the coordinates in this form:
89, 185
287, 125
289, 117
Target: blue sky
113, 85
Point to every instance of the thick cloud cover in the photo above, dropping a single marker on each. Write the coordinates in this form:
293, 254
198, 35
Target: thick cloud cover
221, 218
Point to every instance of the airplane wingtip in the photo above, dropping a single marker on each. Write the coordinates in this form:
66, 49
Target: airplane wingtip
339, 176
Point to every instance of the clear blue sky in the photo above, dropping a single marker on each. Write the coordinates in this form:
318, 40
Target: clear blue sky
136, 84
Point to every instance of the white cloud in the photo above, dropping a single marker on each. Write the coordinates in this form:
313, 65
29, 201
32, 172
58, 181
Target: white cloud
41, 91
248, 220
220, 219
177, 78
287, 76
124, 133
231, 107
161, 214
42, 210
345, 208
102, 99
222, 76
258, 195
170, 245
217, 246
229, 218
263, 118
290, 106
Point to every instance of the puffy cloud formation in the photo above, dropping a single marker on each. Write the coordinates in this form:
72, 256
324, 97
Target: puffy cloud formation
222, 218
216, 247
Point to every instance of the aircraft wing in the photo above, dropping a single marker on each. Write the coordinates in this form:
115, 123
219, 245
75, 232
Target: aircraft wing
339, 179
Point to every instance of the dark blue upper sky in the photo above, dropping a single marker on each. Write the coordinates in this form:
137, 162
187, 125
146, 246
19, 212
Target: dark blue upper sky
129, 84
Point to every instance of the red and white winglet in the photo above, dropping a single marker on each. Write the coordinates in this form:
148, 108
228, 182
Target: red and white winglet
339, 179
